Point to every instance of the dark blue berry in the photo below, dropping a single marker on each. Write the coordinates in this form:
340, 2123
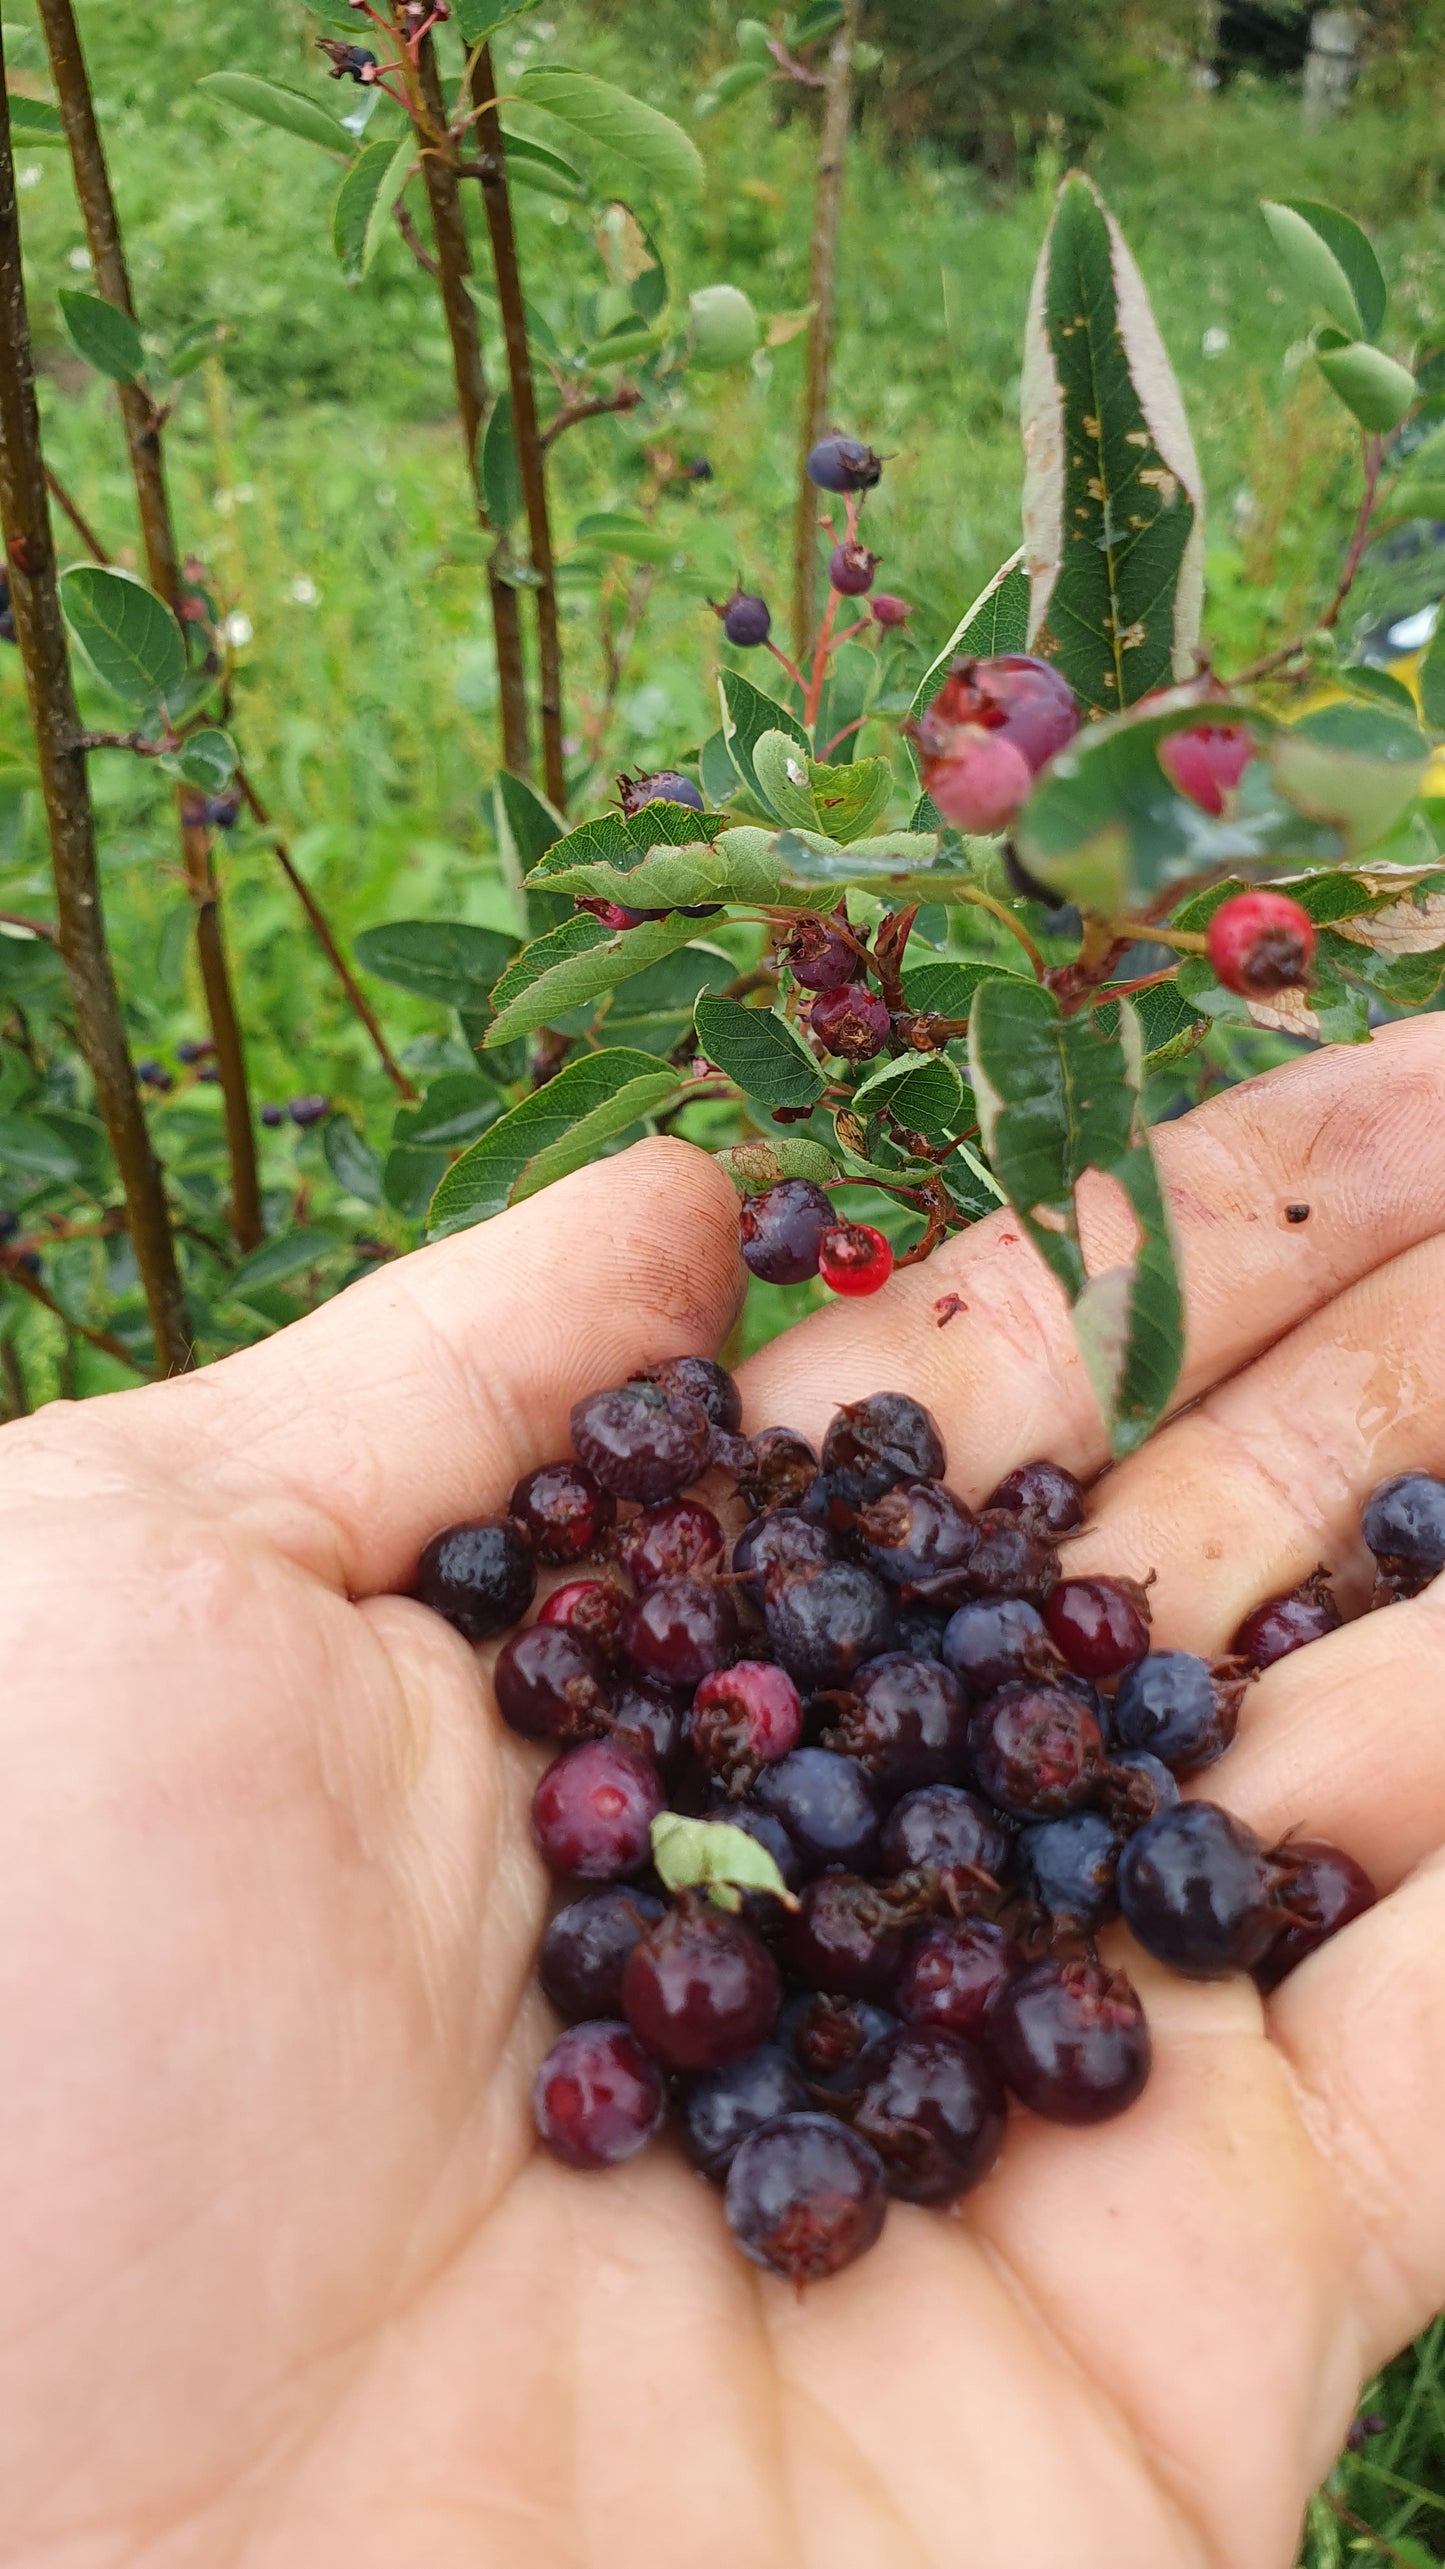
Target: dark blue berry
825, 1627
1194, 1887
669, 785
826, 1805
586, 1946
805, 2197
1175, 1706
1404, 1526
1068, 1866
746, 619
919, 1630
994, 1640
873, 1444
724, 2105
271, 1116
307, 1110
781, 1231
839, 463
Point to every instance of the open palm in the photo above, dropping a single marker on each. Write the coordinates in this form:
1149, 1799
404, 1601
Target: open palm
287, 2283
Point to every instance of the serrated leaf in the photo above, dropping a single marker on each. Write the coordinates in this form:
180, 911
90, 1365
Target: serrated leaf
353, 1163
738, 867
1377, 390
752, 1166
1113, 500
501, 471
127, 633
850, 799
642, 1096
1331, 260
997, 622
271, 104
781, 769
576, 961
760, 1051
208, 761
103, 335
443, 959
746, 715
924, 1092
619, 122
364, 203
579, 1100
714, 1856
1057, 1096
609, 840
33, 121
947, 989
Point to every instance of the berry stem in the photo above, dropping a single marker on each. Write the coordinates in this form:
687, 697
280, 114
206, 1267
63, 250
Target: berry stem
791, 666
822, 654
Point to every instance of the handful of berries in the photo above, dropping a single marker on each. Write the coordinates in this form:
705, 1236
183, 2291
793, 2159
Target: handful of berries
849, 1778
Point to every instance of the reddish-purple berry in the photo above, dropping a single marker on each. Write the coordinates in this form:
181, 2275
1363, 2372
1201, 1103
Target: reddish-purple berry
779, 1472
950, 1834
781, 1546
932, 2106
681, 1630
888, 610
904, 1722
851, 569
597, 2099
652, 1719
782, 1230
586, 1945
1071, 2040
847, 1937
593, 1810
1316, 1890
1101, 1625
671, 1542
851, 1021
593, 1609
874, 1443
950, 1975
744, 1718
1283, 1624
805, 2197
549, 1685
1260, 942
818, 955
1043, 1491
1037, 1750
834, 2039
700, 1988
642, 1442
698, 1378
564, 1510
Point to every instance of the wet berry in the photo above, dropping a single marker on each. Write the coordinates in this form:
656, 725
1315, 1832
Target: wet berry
918, 1530
919, 1630
759, 1907
698, 1378
1012, 1557
825, 1627
818, 956
851, 570
1194, 1887
1068, 1867
781, 1231
1404, 1526
642, 1442
855, 1259
652, 1719
1175, 1705
839, 463
1260, 942
593, 1609
779, 1472
668, 785
932, 2106
780, 1546
805, 2197
1043, 1491
904, 1722
846, 1939
549, 1685
744, 1718
1037, 1751
996, 1639
563, 1509
826, 1805
947, 1832
681, 1630
700, 1988
586, 1945
1152, 1789
481, 1576
1207, 762
950, 1975
874, 1443
597, 2098
746, 619
593, 1810
1282, 1624
1071, 2040
1317, 1889
671, 1542
1100, 1625
850, 1020
722, 2107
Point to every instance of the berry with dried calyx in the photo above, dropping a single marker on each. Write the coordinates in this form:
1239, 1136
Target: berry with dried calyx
843, 464
993, 1640
951, 1974
1404, 1526
1012, 1557
1071, 2040
746, 619
1194, 1886
1207, 762
482, 1575
782, 1545
782, 1230
1284, 1624
1037, 1751
598, 2098
904, 1722
932, 2106
668, 785
805, 2197
564, 1510
651, 1719
1043, 1491
744, 1718
874, 1443
593, 1609
846, 1937
825, 1626
1259, 943
832, 2038
700, 1988
851, 1021
948, 1833
350, 62
851, 569
1316, 1890
916, 1531
675, 1540
818, 956
1179, 1707
855, 1259
698, 1378
1152, 1787
549, 1685
779, 1472
642, 1442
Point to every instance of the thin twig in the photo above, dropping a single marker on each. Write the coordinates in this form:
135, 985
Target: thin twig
414, 242
100, 1338
82, 526
626, 397
823, 295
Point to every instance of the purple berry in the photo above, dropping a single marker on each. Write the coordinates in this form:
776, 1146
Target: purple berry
700, 1988
824, 1628
826, 1805
781, 1546
779, 1472
642, 1442
932, 2106
1174, 1705
1194, 1887
950, 1975
904, 1723
834, 2039
670, 1542
805, 2197
994, 1640
818, 955
681, 1630
1037, 1751
947, 1832
852, 569
1043, 1491
874, 1443
744, 1718
1071, 2040
668, 785
308, 1110
593, 1810
549, 1685
782, 1231
597, 2098
915, 1532
1157, 1782
480, 1575
585, 1947
847, 1937
723, 2106
271, 1116
698, 1378
650, 1719
1100, 1625
564, 1510
593, 1609
1317, 1889
1069, 1868
746, 619
889, 610
842, 464
1285, 1624
1404, 1526
1012, 1557
852, 1022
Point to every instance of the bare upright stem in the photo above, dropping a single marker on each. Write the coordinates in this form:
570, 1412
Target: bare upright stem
823, 292
40, 632
143, 440
531, 456
454, 262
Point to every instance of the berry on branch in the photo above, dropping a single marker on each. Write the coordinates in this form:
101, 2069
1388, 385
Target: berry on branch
844, 464
746, 619
1207, 763
1261, 942
855, 1259
851, 568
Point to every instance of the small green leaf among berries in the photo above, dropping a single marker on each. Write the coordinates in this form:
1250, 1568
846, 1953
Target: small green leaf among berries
712, 1856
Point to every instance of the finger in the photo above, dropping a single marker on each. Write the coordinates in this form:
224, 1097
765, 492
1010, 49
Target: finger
1356, 1133
419, 1396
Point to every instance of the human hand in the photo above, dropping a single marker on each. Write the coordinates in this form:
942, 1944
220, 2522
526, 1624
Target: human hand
287, 2283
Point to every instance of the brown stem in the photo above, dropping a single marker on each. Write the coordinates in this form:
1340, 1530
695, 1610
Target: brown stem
531, 460
82, 526
415, 243
823, 293
626, 397
325, 937
143, 440
100, 1338
12, 1378
40, 632
454, 263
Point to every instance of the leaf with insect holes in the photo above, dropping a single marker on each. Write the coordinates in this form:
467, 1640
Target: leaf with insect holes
129, 635
752, 1166
555, 1130
364, 204
103, 335
618, 122
33, 121
271, 104
1113, 501
1057, 1096
760, 1051
780, 768
353, 1163
997, 622
447, 960
576, 961
713, 1856
1330, 260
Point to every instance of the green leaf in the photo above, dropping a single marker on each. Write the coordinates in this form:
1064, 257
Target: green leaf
531, 164
1331, 260
33, 121
619, 122
908, 861
531, 822
271, 104
353, 1163
850, 799
1056, 1096
1432, 679
364, 205
130, 638
747, 714
722, 328
781, 769
615, 531
291, 1253
578, 1109
1351, 764
479, 20
738, 81
759, 1050
1363, 679
947, 989
712, 1855
103, 335
1113, 502
1377, 389
755, 1165
576, 961
195, 345
208, 761
456, 1108
443, 959
924, 1093
997, 622
34, 1149
501, 471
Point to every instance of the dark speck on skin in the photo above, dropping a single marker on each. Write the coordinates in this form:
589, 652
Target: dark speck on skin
1296, 1213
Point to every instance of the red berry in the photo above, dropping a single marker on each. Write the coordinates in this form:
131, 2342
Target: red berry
564, 1509
744, 1718
593, 1811
981, 783
950, 1974
888, 610
1207, 763
669, 1541
1317, 1889
817, 956
1283, 1624
680, 1630
1071, 2040
855, 1259
1100, 1625
850, 1021
593, 1609
847, 1937
1017, 698
598, 2098
700, 1988
1260, 942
